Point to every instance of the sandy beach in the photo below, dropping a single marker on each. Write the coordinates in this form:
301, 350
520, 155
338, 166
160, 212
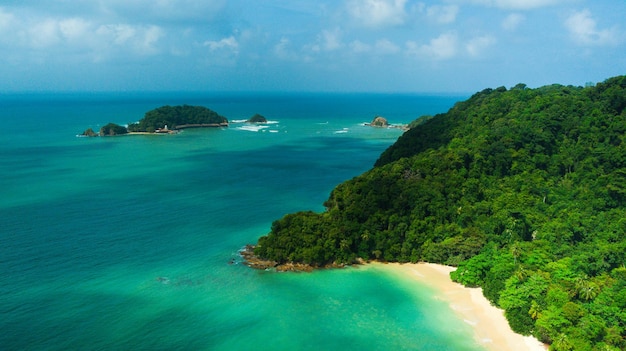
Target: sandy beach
490, 326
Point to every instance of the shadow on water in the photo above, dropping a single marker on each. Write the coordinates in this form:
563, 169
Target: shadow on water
98, 321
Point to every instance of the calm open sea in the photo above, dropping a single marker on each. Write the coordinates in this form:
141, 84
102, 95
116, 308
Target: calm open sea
125, 243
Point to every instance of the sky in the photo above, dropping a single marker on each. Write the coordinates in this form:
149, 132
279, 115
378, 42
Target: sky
445, 46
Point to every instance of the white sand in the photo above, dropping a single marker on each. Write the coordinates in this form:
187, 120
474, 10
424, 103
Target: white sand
490, 326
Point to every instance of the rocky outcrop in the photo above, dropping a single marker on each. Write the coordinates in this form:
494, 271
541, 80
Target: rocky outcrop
379, 122
89, 133
253, 261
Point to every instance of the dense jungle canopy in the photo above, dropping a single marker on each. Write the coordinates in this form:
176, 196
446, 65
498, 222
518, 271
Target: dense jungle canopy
524, 190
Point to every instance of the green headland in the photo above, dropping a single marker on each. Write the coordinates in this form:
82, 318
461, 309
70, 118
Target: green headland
524, 190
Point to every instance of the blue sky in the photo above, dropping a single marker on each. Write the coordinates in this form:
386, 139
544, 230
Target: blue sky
308, 45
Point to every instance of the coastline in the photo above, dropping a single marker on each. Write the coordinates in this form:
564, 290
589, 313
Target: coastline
491, 328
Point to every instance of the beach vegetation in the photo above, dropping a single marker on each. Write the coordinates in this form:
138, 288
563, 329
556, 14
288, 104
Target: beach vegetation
524, 190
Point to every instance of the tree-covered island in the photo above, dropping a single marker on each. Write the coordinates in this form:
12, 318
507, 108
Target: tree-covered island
257, 118
166, 119
524, 190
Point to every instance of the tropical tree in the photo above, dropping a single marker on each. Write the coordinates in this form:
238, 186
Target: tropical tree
561, 343
535, 310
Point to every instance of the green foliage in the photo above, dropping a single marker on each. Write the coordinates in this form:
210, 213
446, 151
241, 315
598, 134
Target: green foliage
113, 129
523, 189
134, 127
420, 120
257, 118
519, 321
473, 271
497, 276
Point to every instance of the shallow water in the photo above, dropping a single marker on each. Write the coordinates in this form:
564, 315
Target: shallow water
126, 242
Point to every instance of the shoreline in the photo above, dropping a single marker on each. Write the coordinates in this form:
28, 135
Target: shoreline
491, 329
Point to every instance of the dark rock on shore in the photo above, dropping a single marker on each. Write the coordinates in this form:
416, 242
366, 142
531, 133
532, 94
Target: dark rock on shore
253, 261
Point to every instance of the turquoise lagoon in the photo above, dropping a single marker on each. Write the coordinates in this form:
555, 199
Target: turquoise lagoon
131, 243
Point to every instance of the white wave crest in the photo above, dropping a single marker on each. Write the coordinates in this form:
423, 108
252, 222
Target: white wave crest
252, 128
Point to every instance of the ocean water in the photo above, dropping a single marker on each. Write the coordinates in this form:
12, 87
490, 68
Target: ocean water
131, 243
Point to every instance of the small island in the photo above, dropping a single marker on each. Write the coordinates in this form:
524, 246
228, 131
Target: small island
165, 120
257, 118
381, 122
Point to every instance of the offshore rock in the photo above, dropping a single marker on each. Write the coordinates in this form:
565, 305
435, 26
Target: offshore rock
89, 133
379, 122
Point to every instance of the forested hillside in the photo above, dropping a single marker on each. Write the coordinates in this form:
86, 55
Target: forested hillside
523, 189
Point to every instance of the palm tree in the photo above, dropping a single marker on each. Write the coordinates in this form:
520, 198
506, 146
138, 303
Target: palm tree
589, 291
516, 251
365, 236
344, 244
561, 343
586, 290
521, 273
581, 281
534, 310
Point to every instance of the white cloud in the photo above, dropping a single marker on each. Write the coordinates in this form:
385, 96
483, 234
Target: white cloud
583, 29
347, 36
331, 40
71, 39
225, 43
378, 13
43, 34
159, 11
118, 34
149, 38
359, 47
443, 14
385, 46
440, 48
74, 28
328, 40
223, 52
477, 45
519, 4
512, 21
110, 39
380, 47
283, 51
6, 20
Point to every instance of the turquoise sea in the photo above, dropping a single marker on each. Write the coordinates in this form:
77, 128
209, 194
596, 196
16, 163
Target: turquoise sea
131, 243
